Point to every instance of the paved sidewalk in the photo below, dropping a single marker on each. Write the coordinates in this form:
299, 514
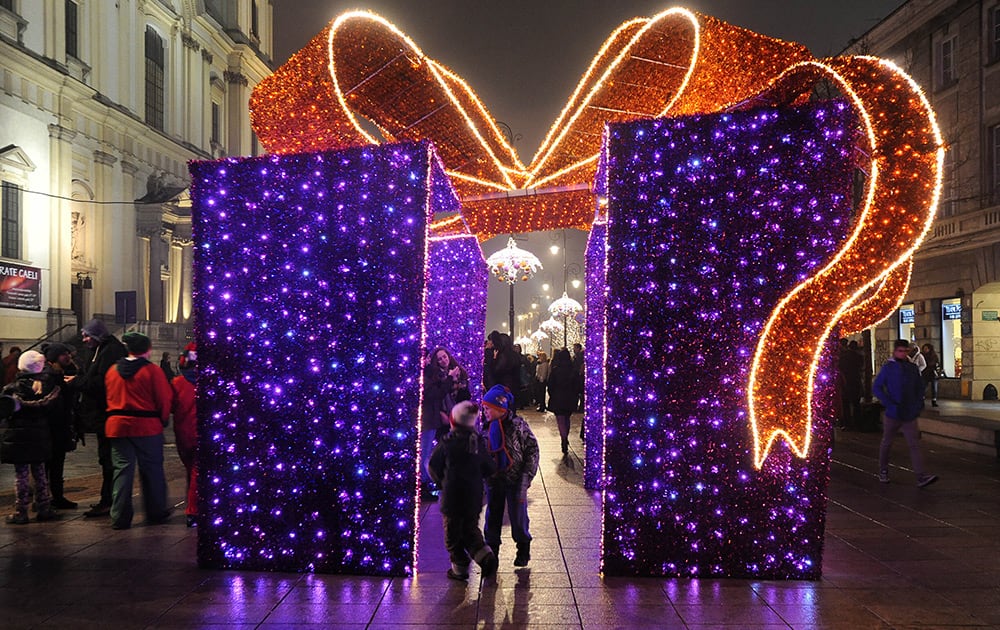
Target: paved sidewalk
896, 557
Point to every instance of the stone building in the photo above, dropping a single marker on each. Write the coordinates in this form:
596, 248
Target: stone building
102, 104
952, 49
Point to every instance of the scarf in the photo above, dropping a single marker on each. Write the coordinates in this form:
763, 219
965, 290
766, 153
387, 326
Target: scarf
498, 444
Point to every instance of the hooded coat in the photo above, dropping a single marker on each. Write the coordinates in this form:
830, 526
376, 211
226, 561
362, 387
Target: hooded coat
27, 438
139, 399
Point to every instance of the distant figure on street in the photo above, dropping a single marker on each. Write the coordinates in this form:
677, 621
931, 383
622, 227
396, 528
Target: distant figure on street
901, 389
168, 370
186, 426
930, 372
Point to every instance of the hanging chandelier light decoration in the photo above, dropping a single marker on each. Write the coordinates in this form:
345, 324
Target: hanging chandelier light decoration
539, 336
512, 263
551, 327
565, 306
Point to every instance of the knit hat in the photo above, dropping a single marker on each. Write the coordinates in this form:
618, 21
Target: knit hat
31, 361
136, 342
464, 414
95, 328
189, 358
498, 396
55, 350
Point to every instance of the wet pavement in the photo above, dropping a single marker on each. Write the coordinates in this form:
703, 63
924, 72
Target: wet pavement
896, 557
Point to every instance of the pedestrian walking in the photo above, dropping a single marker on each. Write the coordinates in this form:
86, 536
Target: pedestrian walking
900, 387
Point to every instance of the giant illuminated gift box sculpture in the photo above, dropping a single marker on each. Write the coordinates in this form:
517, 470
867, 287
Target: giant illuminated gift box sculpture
676, 63
711, 221
317, 285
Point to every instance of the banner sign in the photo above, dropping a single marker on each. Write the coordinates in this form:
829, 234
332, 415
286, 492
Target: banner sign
20, 287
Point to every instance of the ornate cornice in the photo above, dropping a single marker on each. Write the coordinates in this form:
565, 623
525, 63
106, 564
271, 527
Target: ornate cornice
102, 157
59, 132
236, 77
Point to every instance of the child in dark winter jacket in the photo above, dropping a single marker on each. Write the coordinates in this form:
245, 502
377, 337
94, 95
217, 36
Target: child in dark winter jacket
459, 463
27, 439
515, 452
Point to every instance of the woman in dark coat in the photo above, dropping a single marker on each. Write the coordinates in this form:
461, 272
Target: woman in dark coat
27, 439
506, 367
562, 394
445, 383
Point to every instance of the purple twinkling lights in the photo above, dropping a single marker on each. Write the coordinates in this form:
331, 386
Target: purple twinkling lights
712, 220
593, 416
310, 290
456, 297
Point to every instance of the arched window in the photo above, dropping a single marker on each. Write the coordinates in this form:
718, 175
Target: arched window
155, 55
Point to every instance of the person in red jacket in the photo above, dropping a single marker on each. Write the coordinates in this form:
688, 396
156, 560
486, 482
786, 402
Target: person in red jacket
139, 402
186, 426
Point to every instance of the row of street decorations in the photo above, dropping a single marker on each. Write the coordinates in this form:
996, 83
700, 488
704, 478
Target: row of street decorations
511, 264
724, 254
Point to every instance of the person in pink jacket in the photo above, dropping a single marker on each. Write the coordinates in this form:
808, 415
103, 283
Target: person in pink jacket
186, 426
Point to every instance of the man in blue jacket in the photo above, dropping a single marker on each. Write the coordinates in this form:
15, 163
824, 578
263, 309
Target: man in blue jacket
901, 389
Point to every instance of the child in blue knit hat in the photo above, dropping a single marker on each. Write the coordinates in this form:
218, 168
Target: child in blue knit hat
515, 451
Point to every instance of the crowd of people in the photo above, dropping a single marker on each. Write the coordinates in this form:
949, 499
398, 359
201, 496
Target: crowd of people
471, 453
56, 396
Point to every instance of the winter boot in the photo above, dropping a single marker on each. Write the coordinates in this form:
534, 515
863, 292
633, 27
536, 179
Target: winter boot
523, 554
487, 561
457, 572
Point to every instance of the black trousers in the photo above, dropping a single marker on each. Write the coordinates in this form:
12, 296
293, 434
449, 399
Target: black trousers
107, 467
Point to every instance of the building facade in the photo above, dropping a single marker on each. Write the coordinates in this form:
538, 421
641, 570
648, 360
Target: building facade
952, 49
102, 104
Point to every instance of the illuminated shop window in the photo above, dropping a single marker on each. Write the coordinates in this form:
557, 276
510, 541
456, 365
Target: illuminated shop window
906, 327
951, 336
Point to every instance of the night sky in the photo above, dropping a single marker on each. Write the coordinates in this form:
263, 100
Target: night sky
524, 58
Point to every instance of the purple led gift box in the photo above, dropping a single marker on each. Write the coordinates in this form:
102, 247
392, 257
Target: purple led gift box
317, 285
712, 220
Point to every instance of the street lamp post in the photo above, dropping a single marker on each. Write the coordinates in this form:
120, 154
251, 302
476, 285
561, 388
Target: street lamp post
509, 265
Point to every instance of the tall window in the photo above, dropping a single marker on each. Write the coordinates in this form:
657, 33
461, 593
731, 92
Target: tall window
154, 79
949, 188
216, 115
993, 36
72, 26
951, 337
993, 153
945, 61
907, 325
10, 220
7, 4
254, 20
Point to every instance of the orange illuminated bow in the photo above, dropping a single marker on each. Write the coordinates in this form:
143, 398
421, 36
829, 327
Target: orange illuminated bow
362, 73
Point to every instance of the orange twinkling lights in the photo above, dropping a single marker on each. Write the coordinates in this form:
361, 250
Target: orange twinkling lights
903, 189
362, 67
677, 62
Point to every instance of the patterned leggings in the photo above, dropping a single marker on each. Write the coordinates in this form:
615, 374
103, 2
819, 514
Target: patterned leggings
22, 486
